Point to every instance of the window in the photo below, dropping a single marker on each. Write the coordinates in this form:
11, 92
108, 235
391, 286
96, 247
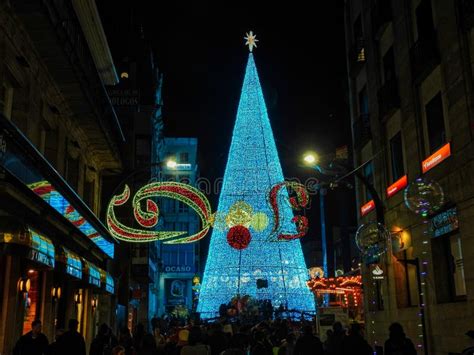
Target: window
363, 101
396, 151
89, 190
449, 268
424, 20
388, 65
369, 175
50, 145
435, 122
72, 172
182, 207
184, 157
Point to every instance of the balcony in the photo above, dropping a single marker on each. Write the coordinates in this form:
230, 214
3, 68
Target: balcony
466, 10
361, 130
381, 17
424, 57
388, 98
356, 57
57, 36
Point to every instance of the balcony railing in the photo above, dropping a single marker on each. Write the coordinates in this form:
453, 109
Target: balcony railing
362, 133
381, 17
357, 56
424, 57
466, 10
388, 98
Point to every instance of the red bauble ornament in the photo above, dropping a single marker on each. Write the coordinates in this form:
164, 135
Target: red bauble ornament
238, 237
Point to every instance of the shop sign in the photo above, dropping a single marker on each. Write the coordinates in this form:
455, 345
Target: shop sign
127, 97
35, 255
369, 206
398, 185
179, 268
436, 158
376, 272
445, 222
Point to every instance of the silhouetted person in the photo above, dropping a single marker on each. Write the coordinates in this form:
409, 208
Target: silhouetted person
72, 342
148, 345
217, 339
288, 346
104, 342
397, 343
195, 344
261, 345
335, 339
308, 343
54, 347
138, 335
354, 343
32, 343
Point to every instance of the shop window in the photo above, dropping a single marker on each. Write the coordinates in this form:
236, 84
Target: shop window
396, 152
32, 301
449, 268
424, 20
435, 123
405, 273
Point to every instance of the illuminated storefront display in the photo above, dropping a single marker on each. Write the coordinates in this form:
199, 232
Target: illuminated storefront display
348, 288
72, 262
93, 273
445, 222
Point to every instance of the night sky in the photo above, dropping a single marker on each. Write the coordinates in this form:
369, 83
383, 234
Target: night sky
199, 47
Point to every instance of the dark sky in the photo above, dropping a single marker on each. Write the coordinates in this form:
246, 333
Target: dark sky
199, 46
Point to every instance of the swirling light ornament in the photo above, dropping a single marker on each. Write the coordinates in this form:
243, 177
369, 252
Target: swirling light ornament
372, 239
149, 218
240, 213
297, 202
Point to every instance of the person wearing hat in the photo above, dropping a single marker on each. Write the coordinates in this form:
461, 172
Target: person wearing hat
469, 350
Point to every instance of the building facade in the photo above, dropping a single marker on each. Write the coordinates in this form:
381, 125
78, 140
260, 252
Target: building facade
410, 88
180, 263
59, 136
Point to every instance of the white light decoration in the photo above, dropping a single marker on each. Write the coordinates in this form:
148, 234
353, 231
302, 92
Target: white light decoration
253, 167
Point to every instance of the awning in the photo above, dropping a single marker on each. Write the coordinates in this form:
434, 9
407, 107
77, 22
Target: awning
40, 248
72, 262
91, 273
108, 283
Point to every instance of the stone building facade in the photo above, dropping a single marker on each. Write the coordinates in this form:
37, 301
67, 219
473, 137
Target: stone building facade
410, 66
59, 137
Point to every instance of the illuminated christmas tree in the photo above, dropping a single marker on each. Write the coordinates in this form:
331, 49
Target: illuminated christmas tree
243, 257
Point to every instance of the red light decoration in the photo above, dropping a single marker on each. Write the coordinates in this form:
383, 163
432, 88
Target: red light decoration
436, 158
398, 185
298, 202
350, 287
238, 237
369, 206
149, 218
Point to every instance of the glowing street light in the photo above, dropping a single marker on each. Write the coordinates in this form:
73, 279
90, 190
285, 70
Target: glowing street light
310, 158
171, 164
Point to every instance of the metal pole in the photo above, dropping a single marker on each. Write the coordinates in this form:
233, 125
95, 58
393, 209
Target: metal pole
323, 241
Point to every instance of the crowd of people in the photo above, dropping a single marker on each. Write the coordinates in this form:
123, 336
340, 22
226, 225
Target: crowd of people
171, 337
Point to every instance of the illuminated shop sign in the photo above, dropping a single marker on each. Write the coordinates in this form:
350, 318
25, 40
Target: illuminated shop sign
376, 272
369, 206
398, 185
436, 158
445, 222
179, 268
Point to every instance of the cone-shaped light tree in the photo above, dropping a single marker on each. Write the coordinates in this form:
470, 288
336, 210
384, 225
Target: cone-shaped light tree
243, 257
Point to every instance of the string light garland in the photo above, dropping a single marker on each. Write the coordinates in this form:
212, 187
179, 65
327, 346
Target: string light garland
252, 169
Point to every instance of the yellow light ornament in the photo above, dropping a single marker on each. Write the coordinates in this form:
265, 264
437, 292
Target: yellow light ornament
240, 213
259, 221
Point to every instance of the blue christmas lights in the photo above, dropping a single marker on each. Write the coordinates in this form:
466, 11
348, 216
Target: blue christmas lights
253, 167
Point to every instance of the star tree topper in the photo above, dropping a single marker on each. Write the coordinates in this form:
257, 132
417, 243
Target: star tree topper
251, 40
